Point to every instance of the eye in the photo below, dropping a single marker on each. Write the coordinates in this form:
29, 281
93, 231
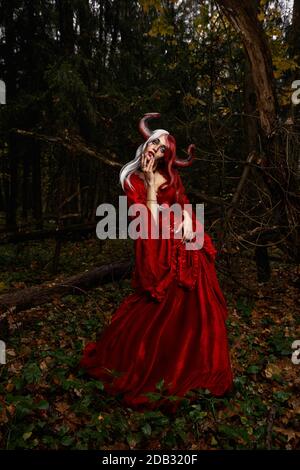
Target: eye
163, 148
155, 141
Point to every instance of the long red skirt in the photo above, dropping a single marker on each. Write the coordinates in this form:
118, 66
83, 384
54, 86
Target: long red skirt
181, 341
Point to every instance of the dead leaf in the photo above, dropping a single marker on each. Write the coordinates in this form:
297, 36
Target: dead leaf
62, 407
43, 365
290, 433
10, 387
271, 370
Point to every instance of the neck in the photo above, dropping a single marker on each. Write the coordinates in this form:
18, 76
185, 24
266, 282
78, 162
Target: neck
160, 167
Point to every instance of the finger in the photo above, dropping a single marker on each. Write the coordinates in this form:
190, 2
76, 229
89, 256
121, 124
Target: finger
190, 236
148, 165
151, 164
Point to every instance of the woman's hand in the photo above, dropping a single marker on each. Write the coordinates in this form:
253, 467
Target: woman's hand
187, 225
147, 164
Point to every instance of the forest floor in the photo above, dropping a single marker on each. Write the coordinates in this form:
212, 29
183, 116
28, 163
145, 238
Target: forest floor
46, 402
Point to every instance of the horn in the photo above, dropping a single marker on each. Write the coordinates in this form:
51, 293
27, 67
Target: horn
143, 125
188, 161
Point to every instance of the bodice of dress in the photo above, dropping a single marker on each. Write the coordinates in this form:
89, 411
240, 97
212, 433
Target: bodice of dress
159, 261
168, 194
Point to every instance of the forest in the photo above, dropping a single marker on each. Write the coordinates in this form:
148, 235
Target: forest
76, 77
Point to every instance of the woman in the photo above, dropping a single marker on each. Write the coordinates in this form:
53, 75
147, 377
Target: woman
171, 331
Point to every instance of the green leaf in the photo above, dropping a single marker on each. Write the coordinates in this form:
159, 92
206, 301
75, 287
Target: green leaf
253, 369
281, 396
132, 440
147, 429
32, 373
43, 405
153, 396
245, 306
160, 385
67, 440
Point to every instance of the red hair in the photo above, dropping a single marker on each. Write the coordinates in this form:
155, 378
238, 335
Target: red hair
167, 163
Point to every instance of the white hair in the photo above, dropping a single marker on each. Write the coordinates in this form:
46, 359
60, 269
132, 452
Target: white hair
134, 164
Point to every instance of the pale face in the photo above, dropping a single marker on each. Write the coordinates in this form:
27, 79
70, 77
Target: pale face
156, 148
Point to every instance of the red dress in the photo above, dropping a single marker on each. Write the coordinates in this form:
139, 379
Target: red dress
172, 328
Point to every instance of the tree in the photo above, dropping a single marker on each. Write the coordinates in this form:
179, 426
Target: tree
243, 16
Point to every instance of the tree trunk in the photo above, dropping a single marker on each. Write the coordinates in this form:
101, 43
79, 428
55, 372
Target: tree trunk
66, 28
86, 33
36, 184
251, 125
33, 296
294, 53
10, 77
294, 39
242, 15
26, 160
262, 264
11, 210
276, 173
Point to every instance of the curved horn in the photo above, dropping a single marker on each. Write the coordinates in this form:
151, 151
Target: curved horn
188, 161
143, 125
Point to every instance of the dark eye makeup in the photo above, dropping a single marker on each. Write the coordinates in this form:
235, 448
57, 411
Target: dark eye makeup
162, 148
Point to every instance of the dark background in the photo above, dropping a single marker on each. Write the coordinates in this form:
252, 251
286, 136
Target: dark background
79, 76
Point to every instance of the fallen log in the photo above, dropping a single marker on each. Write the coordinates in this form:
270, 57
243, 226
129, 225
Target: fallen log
39, 295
